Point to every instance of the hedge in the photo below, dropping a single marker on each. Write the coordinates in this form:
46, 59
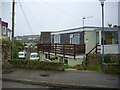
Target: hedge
36, 65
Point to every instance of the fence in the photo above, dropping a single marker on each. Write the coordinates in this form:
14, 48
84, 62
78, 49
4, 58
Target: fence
64, 49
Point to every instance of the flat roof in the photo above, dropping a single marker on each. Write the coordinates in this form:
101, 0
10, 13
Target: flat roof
86, 28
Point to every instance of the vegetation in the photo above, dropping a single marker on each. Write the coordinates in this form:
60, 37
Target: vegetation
94, 67
111, 63
36, 65
53, 58
78, 67
108, 58
6, 48
66, 66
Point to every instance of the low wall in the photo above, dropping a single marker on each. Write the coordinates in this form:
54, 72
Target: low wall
34, 65
94, 59
111, 68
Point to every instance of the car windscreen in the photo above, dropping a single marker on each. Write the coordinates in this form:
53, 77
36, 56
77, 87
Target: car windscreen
33, 56
21, 54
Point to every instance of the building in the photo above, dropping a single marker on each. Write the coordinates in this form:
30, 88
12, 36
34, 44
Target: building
72, 45
5, 31
90, 36
28, 41
45, 37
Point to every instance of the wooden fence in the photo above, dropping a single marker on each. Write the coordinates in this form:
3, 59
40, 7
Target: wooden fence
64, 49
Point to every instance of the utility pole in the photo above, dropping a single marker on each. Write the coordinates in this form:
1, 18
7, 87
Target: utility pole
13, 16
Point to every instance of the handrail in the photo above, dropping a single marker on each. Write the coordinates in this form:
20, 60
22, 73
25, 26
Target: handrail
94, 48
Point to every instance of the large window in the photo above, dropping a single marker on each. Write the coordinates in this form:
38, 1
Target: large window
75, 38
111, 37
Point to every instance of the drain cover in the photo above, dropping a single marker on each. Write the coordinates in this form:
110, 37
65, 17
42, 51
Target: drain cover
44, 75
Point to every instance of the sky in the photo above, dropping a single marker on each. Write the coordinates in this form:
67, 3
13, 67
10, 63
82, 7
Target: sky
34, 16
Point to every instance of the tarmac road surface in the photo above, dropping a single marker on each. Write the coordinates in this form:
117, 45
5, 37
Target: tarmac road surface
6, 85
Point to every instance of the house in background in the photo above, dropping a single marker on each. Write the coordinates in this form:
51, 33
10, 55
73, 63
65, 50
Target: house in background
72, 45
29, 41
5, 31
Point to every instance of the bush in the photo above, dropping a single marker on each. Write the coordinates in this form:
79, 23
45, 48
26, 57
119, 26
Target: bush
79, 67
94, 67
36, 65
54, 58
66, 66
110, 59
107, 58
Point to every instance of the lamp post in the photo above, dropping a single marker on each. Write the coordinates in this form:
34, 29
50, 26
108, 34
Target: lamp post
102, 4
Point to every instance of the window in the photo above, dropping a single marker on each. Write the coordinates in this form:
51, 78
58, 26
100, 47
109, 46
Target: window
4, 32
75, 38
111, 37
57, 39
65, 61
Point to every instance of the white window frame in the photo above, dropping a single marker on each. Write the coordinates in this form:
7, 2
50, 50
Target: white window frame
4, 30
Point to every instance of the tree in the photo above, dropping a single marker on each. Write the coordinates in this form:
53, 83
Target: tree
6, 48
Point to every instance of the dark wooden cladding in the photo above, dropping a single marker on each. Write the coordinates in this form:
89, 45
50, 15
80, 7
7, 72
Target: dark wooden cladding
64, 49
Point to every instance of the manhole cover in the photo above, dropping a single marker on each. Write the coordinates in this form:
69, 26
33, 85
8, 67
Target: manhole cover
44, 75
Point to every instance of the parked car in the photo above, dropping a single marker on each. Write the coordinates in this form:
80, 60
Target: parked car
21, 55
34, 56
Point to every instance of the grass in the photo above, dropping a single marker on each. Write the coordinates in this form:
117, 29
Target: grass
94, 67
78, 67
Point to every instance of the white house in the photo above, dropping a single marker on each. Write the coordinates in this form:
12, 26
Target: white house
81, 41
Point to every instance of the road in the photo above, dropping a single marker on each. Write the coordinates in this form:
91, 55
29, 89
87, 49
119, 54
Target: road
13, 85
9, 84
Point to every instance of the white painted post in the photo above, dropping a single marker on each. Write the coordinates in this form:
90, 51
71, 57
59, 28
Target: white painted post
100, 39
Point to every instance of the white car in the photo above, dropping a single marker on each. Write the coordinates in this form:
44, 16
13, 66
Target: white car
21, 55
34, 56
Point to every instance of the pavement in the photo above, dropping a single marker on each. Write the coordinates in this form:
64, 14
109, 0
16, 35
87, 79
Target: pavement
68, 78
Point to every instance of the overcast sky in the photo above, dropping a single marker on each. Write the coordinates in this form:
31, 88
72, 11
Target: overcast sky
34, 16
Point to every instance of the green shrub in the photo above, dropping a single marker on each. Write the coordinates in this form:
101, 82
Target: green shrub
79, 67
107, 58
66, 66
36, 65
94, 67
54, 58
